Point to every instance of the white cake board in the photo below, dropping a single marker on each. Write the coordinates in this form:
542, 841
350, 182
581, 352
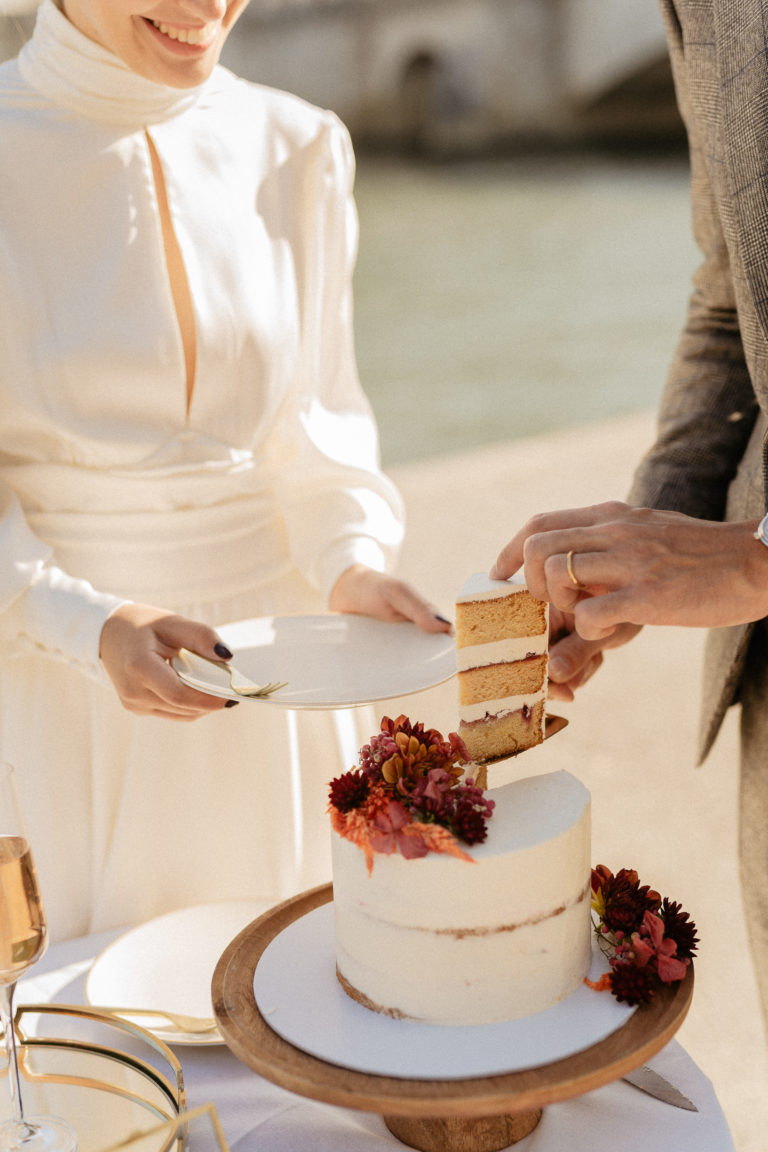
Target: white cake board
297, 992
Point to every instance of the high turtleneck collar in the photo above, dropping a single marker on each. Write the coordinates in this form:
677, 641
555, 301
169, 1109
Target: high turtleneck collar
72, 70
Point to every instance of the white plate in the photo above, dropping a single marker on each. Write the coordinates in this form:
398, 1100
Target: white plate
298, 994
167, 964
334, 661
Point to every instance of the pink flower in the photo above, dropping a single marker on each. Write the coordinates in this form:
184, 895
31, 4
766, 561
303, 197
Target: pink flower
651, 943
390, 833
641, 952
429, 793
654, 927
668, 966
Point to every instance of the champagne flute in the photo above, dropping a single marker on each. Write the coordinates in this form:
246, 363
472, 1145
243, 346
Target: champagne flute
23, 939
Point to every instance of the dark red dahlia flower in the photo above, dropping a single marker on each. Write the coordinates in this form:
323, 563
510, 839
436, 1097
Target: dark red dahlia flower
622, 900
349, 791
631, 984
679, 927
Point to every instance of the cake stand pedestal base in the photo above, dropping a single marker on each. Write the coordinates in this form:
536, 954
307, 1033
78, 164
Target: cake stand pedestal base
481, 1114
456, 1134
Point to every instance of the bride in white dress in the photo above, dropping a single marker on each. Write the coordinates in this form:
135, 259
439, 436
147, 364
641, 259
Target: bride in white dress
183, 443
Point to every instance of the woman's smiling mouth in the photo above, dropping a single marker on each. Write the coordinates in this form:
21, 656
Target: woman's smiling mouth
198, 37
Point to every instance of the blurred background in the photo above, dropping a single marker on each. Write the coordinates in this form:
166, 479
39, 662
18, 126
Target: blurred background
525, 259
522, 188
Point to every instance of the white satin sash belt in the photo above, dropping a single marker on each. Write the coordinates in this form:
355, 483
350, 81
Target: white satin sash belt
171, 556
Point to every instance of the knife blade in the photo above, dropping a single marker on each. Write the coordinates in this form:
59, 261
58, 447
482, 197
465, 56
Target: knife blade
647, 1080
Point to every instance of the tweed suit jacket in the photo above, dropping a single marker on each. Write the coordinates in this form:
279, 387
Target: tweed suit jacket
709, 459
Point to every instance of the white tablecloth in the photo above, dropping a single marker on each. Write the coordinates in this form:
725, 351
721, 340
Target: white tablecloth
257, 1116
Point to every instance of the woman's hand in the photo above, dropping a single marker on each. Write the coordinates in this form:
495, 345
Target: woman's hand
365, 592
637, 566
137, 641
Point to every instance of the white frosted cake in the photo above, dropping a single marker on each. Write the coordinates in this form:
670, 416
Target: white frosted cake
501, 658
498, 932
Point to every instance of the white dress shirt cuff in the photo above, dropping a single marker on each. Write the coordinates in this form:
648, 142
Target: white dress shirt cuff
342, 555
63, 617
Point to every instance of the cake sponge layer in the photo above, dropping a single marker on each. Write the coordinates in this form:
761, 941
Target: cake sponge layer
504, 735
493, 681
492, 610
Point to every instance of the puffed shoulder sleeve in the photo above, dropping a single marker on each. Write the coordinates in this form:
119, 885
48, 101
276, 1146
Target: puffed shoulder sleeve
41, 607
339, 507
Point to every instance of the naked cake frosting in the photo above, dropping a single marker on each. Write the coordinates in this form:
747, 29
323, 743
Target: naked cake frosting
481, 918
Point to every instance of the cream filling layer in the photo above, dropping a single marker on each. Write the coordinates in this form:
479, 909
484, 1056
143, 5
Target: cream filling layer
468, 713
481, 587
500, 651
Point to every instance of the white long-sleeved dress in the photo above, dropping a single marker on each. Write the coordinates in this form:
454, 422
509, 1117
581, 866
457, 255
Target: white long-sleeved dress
248, 498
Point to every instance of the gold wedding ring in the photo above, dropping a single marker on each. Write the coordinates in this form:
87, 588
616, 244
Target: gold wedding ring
569, 565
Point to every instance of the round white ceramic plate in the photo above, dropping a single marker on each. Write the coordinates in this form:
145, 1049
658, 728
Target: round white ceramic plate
297, 993
167, 964
334, 661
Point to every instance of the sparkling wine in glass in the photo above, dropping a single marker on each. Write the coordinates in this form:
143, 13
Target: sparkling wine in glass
23, 940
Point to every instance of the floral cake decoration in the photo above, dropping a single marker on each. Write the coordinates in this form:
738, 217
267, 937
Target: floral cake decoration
649, 941
409, 795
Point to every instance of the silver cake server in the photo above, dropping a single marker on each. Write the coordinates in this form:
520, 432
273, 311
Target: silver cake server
647, 1080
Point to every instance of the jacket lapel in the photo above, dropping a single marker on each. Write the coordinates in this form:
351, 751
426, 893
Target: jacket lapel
725, 655
741, 31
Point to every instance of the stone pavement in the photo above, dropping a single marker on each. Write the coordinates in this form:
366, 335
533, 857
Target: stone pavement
631, 733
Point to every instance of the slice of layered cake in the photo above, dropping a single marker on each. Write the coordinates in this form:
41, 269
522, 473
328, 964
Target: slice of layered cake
501, 657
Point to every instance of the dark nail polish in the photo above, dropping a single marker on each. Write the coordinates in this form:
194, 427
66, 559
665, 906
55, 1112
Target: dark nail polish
231, 703
223, 653
442, 619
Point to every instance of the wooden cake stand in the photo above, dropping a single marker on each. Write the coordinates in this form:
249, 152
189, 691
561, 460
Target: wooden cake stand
482, 1114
